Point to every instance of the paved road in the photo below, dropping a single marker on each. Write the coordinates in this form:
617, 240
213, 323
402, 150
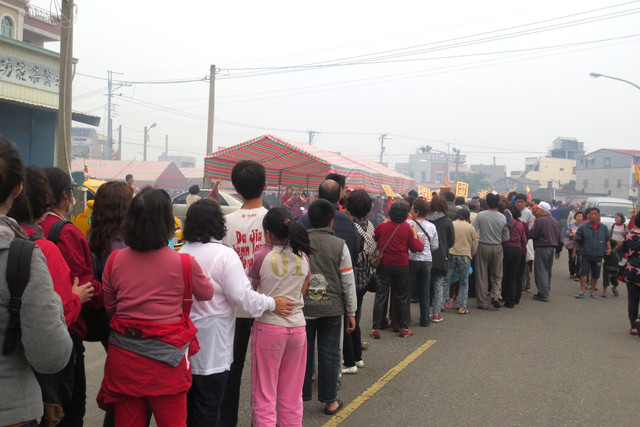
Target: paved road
565, 362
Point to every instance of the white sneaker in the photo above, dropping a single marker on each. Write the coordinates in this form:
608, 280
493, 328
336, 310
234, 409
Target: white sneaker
359, 363
351, 370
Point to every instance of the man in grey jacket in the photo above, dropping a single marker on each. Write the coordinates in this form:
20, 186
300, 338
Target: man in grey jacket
592, 244
546, 241
45, 343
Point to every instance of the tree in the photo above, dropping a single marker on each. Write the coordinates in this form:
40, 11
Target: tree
571, 185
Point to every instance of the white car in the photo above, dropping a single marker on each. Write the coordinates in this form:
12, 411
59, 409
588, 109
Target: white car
228, 202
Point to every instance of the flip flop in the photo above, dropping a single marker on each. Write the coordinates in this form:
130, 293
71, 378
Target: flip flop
464, 312
335, 411
636, 324
579, 295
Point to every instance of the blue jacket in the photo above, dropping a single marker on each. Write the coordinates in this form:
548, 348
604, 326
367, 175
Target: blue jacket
592, 243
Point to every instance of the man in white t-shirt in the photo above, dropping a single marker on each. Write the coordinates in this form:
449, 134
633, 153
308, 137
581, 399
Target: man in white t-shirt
245, 235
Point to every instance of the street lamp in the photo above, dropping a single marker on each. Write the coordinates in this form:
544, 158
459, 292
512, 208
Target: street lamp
146, 139
596, 75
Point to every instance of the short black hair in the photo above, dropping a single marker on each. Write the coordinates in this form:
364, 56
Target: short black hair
329, 190
449, 196
35, 199
463, 214
59, 183
128, 177
150, 223
321, 212
636, 220
421, 207
521, 196
204, 221
399, 212
412, 193
340, 179
248, 178
492, 200
359, 203
194, 189
459, 201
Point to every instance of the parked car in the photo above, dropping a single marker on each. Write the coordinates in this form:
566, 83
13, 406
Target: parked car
228, 202
609, 207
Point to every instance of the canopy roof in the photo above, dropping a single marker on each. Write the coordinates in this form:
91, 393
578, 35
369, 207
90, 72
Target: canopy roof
298, 164
157, 174
193, 175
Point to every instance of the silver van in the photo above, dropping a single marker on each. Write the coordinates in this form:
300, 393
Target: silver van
609, 207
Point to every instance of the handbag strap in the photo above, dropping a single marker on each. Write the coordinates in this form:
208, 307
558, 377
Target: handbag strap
188, 293
423, 230
390, 237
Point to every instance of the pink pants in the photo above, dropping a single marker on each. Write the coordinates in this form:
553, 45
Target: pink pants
168, 411
278, 362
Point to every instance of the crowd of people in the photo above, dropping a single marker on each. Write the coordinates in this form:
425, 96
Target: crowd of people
287, 279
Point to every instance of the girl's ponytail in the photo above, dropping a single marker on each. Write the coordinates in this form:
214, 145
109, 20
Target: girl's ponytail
298, 238
278, 221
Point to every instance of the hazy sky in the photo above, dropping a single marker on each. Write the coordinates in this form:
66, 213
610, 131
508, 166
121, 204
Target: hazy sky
492, 78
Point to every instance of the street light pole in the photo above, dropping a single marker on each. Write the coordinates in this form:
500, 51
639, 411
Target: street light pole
596, 75
146, 139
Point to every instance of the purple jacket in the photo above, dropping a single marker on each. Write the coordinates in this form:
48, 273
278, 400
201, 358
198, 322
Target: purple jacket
546, 233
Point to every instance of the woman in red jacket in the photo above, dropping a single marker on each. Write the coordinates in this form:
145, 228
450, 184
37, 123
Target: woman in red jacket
75, 250
146, 290
399, 238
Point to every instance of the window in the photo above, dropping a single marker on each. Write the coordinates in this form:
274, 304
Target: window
606, 183
6, 26
619, 183
574, 170
607, 162
439, 177
424, 176
584, 184
561, 169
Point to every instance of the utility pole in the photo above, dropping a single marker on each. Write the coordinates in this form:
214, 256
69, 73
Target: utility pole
166, 147
382, 138
120, 142
63, 146
312, 134
110, 89
146, 140
457, 151
212, 104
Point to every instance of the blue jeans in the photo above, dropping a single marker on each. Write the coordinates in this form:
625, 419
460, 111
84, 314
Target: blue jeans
461, 263
441, 286
420, 283
205, 398
328, 331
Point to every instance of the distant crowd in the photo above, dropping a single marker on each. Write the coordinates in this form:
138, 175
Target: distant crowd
286, 276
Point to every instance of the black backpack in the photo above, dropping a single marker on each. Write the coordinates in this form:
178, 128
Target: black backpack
18, 271
97, 319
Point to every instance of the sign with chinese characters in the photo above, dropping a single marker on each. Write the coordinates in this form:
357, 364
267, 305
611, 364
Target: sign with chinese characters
28, 73
425, 192
388, 190
462, 189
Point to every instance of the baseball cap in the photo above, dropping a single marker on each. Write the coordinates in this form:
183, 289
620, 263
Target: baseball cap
545, 206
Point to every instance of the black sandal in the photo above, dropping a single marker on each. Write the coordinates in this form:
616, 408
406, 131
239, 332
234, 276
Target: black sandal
335, 411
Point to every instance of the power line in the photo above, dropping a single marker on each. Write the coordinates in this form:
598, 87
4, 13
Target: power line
432, 46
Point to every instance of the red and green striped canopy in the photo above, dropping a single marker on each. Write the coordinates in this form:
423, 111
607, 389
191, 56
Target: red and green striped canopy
300, 165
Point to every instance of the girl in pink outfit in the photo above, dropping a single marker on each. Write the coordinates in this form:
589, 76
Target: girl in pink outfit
279, 344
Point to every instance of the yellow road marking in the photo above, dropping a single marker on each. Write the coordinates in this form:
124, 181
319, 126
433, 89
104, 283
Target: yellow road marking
368, 393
